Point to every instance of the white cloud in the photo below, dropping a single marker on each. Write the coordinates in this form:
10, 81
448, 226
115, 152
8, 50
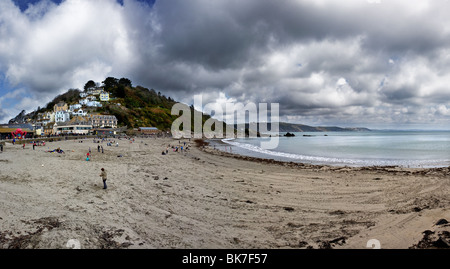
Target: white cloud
341, 82
443, 110
69, 43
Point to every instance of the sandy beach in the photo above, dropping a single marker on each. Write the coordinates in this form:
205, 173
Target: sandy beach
206, 199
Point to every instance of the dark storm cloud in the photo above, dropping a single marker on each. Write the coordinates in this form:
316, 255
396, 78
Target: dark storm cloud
230, 34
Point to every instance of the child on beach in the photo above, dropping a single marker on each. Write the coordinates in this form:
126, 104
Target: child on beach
103, 176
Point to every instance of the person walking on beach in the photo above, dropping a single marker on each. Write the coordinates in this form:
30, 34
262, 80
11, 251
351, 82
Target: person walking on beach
102, 149
104, 177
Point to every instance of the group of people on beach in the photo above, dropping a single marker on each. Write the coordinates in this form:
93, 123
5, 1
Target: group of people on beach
35, 144
38, 144
100, 147
108, 142
176, 148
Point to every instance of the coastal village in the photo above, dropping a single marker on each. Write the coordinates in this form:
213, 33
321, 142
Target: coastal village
79, 118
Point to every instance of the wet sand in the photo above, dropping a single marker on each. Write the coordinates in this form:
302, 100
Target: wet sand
207, 199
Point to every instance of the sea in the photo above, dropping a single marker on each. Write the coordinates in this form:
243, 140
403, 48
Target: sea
410, 149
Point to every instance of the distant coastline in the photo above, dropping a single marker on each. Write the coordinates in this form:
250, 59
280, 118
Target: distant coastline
284, 127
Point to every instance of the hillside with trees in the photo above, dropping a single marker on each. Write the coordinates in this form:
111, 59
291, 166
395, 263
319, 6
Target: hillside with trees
133, 106
139, 106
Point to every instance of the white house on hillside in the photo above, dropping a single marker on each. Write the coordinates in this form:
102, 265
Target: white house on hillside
83, 101
62, 116
96, 91
79, 112
89, 103
74, 107
94, 104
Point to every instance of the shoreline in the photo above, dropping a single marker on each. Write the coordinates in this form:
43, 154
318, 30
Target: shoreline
203, 199
382, 157
383, 168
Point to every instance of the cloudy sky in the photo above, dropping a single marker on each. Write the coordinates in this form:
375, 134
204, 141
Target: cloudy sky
371, 63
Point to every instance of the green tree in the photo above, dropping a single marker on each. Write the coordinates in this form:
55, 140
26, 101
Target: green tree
120, 91
125, 82
110, 82
89, 84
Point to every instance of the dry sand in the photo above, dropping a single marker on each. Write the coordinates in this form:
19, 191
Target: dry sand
203, 199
